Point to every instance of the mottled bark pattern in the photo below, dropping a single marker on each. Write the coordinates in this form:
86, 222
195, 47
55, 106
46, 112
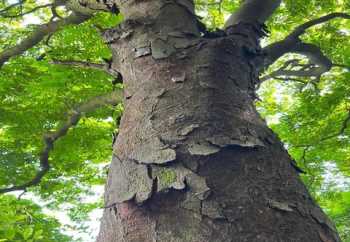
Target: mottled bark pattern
193, 161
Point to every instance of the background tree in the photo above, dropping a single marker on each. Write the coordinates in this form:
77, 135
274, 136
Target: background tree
57, 66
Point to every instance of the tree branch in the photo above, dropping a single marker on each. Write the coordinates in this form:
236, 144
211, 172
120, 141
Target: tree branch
293, 44
319, 63
81, 11
342, 66
344, 126
38, 34
253, 11
19, 3
49, 139
288, 44
25, 13
316, 57
280, 71
302, 28
103, 67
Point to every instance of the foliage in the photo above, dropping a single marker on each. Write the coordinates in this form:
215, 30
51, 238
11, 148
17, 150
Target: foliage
22, 220
36, 95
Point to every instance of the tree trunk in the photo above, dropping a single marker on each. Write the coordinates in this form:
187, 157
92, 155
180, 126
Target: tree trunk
193, 161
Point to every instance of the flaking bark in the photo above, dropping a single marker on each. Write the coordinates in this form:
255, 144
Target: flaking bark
193, 160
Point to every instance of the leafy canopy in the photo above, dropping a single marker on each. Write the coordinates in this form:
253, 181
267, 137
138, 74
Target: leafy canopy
310, 115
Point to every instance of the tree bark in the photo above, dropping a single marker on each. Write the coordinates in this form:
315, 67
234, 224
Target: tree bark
193, 161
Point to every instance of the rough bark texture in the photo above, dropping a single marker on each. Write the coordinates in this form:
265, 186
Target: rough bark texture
193, 161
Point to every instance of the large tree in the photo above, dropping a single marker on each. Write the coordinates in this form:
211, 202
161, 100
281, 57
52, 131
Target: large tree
193, 160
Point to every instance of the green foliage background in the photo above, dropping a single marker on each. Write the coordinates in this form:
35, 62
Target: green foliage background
35, 96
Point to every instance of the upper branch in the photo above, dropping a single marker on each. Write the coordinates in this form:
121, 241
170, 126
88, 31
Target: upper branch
321, 62
25, 13
302, 28
81, 11
253, 11
49, 139
39, 33
318, 64
19, 3
291, 42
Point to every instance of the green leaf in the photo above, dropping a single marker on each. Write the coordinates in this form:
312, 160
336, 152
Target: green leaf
27, 233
